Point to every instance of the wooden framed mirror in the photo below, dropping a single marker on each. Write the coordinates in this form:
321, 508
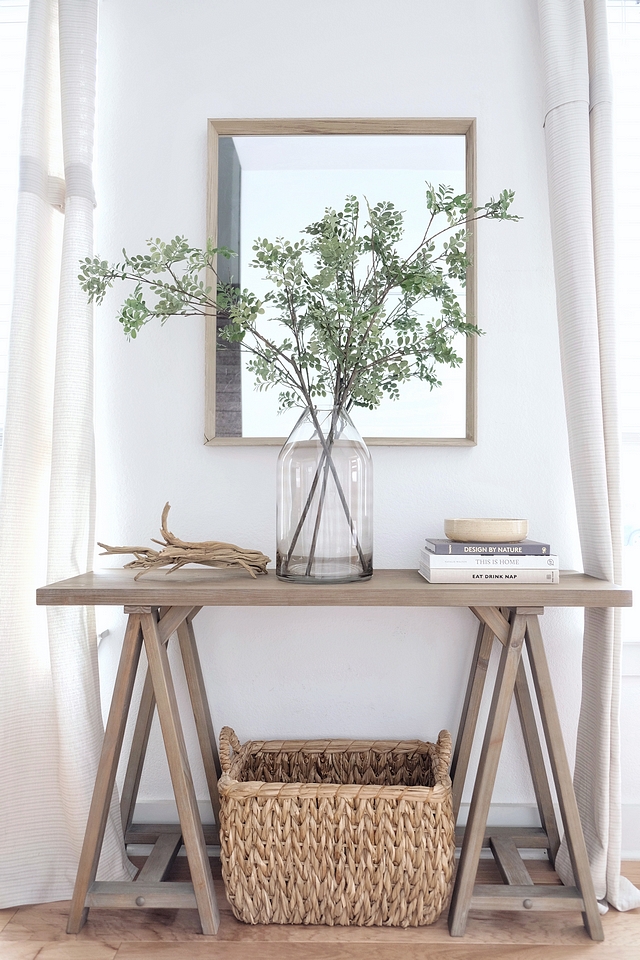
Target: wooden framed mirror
271, 178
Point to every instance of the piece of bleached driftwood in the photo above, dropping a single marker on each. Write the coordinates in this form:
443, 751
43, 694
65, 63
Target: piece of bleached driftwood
175, 553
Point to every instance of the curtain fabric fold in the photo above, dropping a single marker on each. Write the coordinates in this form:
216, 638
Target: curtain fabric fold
50, 720
579, 143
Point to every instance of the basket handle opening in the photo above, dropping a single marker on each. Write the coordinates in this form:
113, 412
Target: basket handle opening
228, 742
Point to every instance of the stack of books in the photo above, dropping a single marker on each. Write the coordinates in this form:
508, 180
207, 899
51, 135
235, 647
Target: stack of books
527, 561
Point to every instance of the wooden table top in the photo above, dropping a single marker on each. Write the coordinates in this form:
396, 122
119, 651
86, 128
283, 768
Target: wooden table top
387, 588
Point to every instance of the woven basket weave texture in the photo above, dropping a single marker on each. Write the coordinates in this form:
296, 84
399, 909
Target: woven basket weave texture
336, 831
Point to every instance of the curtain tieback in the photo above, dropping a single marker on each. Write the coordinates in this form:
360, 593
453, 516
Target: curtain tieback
78, 182
564, 103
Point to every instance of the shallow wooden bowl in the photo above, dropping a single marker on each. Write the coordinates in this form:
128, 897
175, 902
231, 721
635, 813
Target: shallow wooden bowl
483, 530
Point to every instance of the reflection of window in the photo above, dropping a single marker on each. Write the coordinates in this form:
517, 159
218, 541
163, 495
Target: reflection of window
624, 35
13, 31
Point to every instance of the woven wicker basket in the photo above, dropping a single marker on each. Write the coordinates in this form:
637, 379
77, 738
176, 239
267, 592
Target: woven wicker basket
336, 831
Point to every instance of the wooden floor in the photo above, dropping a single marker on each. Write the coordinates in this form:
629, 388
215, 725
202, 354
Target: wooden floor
39, 931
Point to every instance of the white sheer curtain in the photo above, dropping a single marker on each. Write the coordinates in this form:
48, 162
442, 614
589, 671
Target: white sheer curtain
50, 720
578, 128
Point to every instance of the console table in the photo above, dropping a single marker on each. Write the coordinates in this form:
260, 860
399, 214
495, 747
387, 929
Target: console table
159, 606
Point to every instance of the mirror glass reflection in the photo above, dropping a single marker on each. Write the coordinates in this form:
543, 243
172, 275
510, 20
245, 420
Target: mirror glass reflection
274, 186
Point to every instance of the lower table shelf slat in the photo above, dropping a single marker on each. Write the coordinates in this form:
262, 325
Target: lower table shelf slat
150, 832
526, 838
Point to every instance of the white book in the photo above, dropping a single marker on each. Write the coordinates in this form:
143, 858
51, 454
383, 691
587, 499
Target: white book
457, 575
445, 561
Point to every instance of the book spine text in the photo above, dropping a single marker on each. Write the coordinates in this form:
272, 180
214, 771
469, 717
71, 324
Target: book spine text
486, 576
446, 562
524, 549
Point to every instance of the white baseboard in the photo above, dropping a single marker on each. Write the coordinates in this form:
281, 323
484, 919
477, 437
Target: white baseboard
631, 831
500, 815
631, 659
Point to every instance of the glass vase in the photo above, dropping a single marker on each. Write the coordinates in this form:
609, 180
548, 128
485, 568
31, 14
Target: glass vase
324, 501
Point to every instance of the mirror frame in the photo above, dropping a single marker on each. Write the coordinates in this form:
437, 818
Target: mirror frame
405, 126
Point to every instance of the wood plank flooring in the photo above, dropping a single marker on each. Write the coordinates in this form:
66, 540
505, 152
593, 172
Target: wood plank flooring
38, 931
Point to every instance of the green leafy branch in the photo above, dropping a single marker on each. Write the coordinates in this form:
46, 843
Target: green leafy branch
344, 309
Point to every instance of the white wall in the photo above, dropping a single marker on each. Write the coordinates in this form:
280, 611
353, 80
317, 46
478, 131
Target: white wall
164, 67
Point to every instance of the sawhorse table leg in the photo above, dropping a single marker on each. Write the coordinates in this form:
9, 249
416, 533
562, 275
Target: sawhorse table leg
149, 890
517, 893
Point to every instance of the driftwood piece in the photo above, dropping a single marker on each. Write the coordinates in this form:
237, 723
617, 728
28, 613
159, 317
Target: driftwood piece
176, 553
